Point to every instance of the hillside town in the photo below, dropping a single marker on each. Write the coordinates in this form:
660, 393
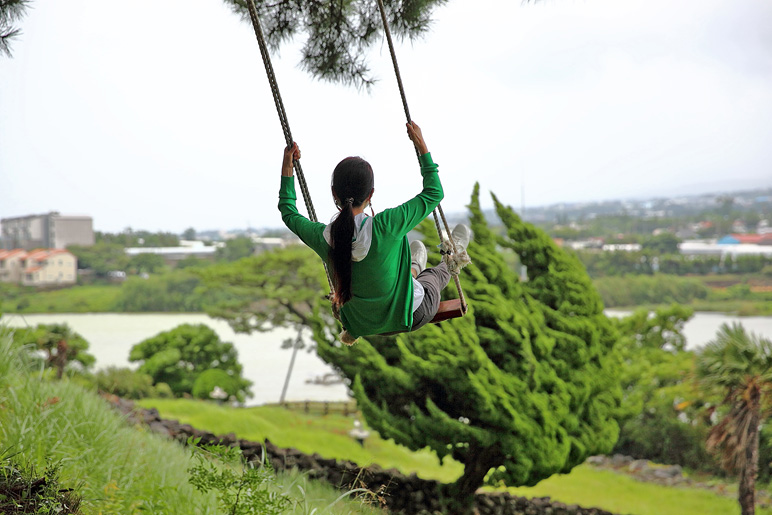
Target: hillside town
34, 247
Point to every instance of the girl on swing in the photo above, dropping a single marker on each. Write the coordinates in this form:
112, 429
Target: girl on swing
381, 283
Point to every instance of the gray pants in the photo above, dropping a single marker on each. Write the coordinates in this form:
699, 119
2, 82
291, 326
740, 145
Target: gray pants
433, 280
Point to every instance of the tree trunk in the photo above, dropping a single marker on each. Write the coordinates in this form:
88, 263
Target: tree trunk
750, 466
61, 358
476, 466
295, 346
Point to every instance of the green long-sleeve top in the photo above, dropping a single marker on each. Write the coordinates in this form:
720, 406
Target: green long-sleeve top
381, 285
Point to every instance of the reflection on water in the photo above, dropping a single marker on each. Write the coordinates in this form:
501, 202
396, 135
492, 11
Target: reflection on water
112, 335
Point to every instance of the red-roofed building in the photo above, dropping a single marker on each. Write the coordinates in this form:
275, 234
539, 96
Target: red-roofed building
11, 265
39, 267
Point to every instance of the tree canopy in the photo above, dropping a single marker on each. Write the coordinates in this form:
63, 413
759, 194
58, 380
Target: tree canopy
338, 33
179, 356
60, 344
525, 386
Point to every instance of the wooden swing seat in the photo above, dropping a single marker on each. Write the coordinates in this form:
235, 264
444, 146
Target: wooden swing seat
449, 309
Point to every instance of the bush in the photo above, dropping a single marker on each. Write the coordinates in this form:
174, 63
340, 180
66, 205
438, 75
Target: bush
658, 435
129, 384
207, 381
179, 356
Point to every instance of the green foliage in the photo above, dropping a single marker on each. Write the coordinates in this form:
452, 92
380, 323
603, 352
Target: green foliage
177, 357
663, 412
146, 263
171, 292
326, 435
60, 344
525, 384
117, 468
192, 262
735, 357
129, 384
603, 264
242, 488
665, 243
621, 493
132, 238
208, 380
641, 289
338, 33
280, 288
23, 491
101, 258
235, 249
75, 299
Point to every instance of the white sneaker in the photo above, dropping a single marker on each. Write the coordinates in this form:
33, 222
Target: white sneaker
461, 235
418, 256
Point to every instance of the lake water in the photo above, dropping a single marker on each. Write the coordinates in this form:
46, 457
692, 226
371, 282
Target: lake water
112, 335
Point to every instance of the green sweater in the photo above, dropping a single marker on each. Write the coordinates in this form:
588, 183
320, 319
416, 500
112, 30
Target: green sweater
381, 285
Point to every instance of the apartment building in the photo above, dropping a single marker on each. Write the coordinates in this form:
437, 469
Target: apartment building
11, 265
52, 267
51, 231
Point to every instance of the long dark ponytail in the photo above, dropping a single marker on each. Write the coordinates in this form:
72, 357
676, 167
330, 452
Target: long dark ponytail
352, 183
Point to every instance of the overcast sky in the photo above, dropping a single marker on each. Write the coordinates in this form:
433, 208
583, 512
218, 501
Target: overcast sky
157, 114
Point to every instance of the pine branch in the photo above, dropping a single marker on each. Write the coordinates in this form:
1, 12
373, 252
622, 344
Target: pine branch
11, 11
338, 33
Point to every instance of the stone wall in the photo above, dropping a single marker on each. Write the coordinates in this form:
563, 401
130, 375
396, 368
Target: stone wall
399, 493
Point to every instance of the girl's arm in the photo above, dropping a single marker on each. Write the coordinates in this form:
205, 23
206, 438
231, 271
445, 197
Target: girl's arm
310, 233
402, 219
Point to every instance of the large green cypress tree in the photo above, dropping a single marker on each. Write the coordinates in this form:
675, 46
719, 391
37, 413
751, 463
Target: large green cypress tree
523, 387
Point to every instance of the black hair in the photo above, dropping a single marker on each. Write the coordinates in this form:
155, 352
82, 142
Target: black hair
352, 183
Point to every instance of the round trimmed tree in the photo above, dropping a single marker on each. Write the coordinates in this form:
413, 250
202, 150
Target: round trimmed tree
179, 356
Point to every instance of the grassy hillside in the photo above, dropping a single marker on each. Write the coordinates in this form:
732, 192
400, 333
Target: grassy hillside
328, 436
117, 469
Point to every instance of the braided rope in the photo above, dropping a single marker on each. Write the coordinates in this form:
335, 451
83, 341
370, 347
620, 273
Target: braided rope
282, 116
409, 120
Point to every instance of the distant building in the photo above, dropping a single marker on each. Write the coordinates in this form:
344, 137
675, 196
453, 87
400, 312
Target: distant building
11, 265
754, 239
699, 247
40, 267
187, 249
52, 230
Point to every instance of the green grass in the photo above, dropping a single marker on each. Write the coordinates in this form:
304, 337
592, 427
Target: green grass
76, 299
326, 435
618, 493
114, 467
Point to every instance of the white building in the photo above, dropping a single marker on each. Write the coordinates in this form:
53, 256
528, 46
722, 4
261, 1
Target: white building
707, 248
